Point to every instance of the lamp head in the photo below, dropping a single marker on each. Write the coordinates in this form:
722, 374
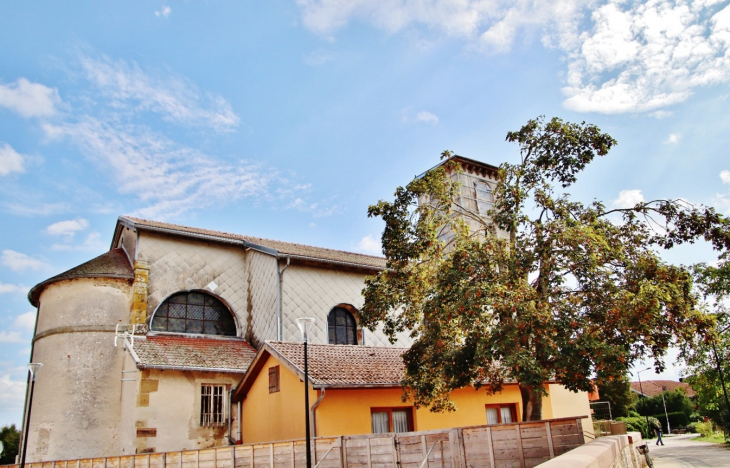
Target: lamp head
305, 325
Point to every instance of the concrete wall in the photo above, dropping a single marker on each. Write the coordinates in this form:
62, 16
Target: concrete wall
313, 292
76, 403
167, 411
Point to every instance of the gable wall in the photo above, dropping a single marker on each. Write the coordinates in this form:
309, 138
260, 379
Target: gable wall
178, 264
262, 289
313, 292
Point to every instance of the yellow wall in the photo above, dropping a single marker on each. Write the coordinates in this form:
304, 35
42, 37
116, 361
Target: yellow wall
562, 403
356, 405
280, 416
274, 416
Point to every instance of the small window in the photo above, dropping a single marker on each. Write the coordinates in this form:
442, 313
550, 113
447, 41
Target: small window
274, 379
483, 196
212, 405
392, 420
501, 414
342, 327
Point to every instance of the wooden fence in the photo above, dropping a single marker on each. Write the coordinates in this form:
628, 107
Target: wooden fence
517, 445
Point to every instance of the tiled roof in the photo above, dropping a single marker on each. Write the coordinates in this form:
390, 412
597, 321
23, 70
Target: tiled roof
112, 264
191, 353
343, 365
305, 252
653, 388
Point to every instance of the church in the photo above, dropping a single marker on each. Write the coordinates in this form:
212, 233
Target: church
173, 339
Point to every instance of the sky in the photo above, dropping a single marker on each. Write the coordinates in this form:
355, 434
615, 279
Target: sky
285, 119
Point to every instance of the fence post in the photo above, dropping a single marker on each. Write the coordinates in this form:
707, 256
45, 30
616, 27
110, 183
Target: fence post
491, 446
368, 447
519, 446
549, 439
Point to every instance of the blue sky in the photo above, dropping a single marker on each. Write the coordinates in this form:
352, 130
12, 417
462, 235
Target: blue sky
285, 119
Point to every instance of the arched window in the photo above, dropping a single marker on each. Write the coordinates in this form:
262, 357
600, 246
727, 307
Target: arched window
194, 312
342, 327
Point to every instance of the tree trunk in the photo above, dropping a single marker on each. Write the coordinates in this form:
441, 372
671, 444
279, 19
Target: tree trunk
531, 403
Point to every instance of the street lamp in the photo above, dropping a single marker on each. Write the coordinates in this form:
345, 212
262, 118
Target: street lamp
638, 374
666, 415
305, 325
33, 369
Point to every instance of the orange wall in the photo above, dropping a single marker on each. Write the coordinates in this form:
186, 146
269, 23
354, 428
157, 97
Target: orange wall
280, 416
274, 416
356, 404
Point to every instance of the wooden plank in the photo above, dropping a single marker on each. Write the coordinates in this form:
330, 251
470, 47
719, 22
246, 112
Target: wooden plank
490, 447
548, 430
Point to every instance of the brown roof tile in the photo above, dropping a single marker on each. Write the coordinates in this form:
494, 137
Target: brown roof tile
653, 388
343, 365
305, 252
188, 352
112, 264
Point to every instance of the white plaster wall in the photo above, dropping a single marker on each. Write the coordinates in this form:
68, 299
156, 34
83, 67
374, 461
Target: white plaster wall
76, 403
178, 264
173, 409
313, 292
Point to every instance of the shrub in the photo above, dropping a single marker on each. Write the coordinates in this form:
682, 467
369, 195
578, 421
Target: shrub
634, 424
692, 427
675, 420
704, 428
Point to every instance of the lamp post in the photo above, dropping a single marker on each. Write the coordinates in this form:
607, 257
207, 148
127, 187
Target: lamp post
305, 325
638, 374
666, 415
33, 369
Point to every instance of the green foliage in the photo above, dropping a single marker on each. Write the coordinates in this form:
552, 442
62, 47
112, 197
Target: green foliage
637, 424
692, 427
544, 288
675, 401
708, 360
618, 393
10, 437
704, 428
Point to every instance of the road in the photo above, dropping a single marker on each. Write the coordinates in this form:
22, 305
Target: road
683, 452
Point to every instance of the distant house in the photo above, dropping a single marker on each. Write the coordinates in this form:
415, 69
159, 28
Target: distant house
356, 390
652, 388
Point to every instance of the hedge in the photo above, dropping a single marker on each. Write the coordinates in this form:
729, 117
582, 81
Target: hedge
676, 420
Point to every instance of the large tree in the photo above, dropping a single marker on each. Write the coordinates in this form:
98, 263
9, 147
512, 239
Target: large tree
545, 289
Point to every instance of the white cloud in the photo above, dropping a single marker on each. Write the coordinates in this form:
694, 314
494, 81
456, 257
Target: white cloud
427, 118
29, 99
67, 228
628, 199
673, 138
725, 177
93, 243
622, 56
370, 245
20, 262
10, 160
420, 117
128, 87
167, 178
30, 208
12, 394
11, 337
12, 288
641, 56
25, 321
164, 11
318, 57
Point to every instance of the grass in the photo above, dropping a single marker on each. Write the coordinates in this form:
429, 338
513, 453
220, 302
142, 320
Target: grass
716, 438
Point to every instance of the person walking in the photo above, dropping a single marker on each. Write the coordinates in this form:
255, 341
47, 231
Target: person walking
658, 431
